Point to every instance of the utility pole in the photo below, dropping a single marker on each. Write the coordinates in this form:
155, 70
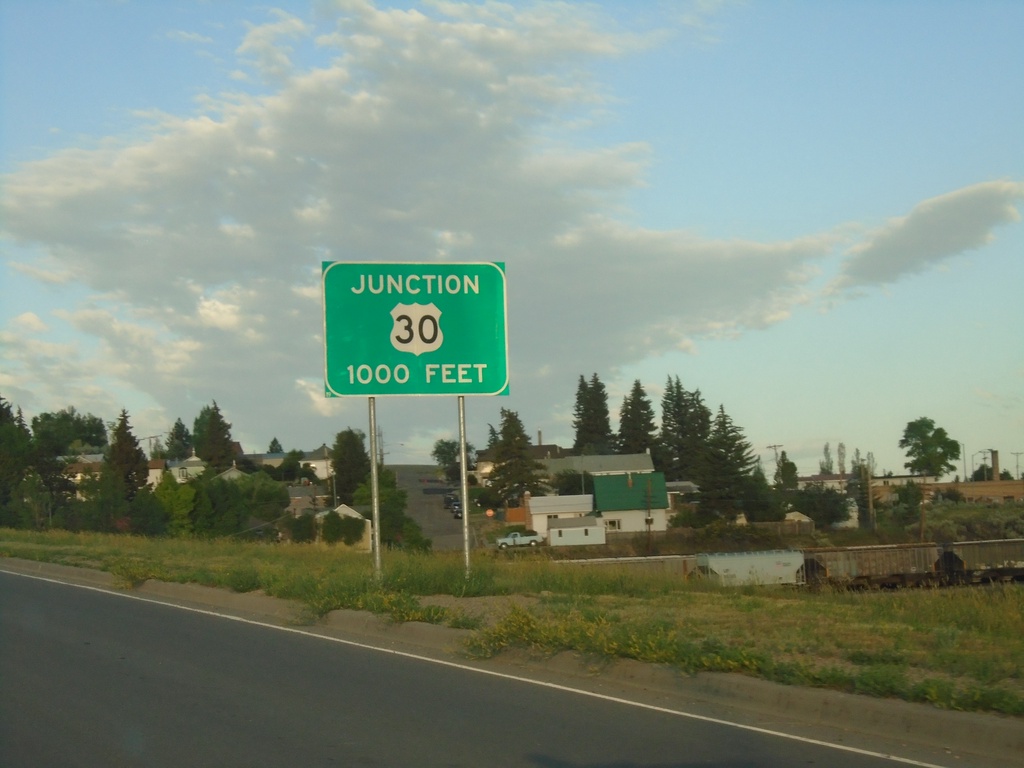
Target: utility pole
151, 438
1017, 456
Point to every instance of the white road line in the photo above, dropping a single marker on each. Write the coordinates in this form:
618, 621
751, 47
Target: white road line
492, 673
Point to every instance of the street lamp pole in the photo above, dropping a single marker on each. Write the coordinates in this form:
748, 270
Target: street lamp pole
983, 451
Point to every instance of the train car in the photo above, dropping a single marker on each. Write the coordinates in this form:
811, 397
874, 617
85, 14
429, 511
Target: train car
884, 565
983, 562
735, 569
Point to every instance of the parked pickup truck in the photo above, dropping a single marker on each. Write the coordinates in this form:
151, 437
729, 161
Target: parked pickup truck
519, 540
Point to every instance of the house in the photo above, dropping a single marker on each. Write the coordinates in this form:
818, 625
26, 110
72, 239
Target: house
232, 473
539, 452
599, 464
306, 498
632, 502
576, 531
681, 493
834, 482
187, 469
156, 469
320, 460
544, 510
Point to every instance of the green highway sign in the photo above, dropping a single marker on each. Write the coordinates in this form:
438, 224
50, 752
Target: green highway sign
415, 329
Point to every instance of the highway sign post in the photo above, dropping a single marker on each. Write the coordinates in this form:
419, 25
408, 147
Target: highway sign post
415, 329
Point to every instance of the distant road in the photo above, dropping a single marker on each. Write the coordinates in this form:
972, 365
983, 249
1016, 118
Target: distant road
425, 504
91, 678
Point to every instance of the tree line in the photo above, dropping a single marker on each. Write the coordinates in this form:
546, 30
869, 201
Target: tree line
693, 443
37, 492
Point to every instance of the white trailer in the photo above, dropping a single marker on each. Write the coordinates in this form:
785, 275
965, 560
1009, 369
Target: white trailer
781, 566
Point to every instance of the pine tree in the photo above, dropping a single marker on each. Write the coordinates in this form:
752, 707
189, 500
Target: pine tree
514, 472
275, 446
212, 438
636, 422
730, 462
125, 459
179, 442
15, 455
671, 445
696, 437
591, 420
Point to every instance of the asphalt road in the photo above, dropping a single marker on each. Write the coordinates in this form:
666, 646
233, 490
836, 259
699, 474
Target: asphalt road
425, 504
94, 678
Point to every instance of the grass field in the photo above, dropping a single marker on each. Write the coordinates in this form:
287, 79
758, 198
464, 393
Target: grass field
957, 648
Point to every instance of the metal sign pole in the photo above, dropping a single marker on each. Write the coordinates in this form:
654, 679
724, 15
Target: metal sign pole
464, 470
375, 488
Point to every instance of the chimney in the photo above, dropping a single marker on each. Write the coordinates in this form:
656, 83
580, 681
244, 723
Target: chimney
995, 463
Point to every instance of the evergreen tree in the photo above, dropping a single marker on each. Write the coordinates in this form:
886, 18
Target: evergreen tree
125, 459
569, 482
350, 464
697, 434
671, 446
591, 420
15, 456
730, 461
760, 502
636, 422
212, 438
275, 447
179, 442
514, 472
785, 474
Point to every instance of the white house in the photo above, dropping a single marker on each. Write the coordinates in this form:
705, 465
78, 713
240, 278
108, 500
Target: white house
544, 510
187, 469
632, 502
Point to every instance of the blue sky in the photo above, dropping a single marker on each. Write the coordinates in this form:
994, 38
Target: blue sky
809, 211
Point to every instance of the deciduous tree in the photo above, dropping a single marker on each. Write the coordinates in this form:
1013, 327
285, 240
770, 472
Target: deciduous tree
929, 449
350, 463
785, 474
68, 431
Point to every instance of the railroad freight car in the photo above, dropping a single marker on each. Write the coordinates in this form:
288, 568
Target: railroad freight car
886, 565
739, 568
983, 562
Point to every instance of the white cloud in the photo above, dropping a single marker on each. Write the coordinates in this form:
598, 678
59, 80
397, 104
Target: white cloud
262, 46
932, 232
28, 322
181, 36
430, 136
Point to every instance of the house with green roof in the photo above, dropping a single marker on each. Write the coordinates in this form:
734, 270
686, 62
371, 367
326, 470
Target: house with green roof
632, 502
